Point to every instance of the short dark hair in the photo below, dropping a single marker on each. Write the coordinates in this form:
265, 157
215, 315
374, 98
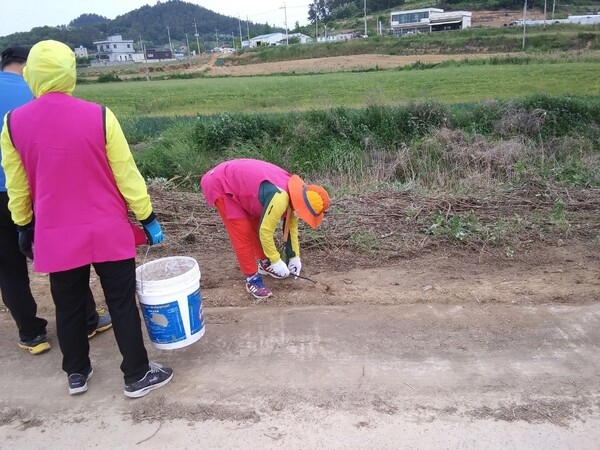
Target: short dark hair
14, 54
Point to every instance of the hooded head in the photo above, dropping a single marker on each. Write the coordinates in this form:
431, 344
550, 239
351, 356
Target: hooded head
14, 55
50, 68
309, 201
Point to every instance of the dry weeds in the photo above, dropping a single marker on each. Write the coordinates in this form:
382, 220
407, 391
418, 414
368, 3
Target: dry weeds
374, 227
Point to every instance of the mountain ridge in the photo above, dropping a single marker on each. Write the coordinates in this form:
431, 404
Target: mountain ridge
147, 23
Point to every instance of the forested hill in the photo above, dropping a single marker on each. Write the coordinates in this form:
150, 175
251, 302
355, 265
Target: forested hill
148, 22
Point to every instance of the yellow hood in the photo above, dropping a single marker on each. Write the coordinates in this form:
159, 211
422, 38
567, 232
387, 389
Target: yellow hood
50, 68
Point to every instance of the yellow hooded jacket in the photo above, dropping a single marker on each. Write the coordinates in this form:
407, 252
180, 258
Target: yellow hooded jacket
68, 160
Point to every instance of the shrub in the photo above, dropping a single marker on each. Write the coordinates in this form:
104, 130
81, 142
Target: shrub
435, 146
109, 77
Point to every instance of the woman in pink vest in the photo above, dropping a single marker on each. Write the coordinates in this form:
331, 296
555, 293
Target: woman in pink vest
68, 164
252, 196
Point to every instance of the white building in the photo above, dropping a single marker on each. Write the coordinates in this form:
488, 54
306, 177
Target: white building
302, 38
275, 39
81, 52
590, 19
116, 49
428, 20
340, 37
267, 39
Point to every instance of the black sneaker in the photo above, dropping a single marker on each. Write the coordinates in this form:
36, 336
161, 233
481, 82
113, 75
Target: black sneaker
104, 323
37, 345
157, 376
78, 382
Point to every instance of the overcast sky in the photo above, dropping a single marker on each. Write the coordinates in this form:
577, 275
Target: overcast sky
23, 15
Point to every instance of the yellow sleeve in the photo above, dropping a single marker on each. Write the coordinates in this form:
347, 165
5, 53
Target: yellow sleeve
17, 186
294, 236
130, 182
272, 213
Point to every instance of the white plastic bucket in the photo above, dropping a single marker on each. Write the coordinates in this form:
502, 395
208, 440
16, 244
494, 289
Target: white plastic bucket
169, 293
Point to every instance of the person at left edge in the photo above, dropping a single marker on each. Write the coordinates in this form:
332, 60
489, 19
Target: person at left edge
14, 276
67, 163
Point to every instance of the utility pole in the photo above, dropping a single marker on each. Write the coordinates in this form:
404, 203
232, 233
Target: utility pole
365, 8
545, 2
287, 40
553, 8
145, 60
196, 34
316, 22
240, 24
170, 45
188, 49
217, 37
248, 28
524, 19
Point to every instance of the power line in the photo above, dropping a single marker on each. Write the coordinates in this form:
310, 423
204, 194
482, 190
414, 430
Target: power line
256, 15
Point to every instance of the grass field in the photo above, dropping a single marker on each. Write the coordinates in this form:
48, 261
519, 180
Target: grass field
452, 84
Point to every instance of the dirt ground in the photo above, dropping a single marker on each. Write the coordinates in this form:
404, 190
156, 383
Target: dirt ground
502, 17
414, 342
209, 67
332, 64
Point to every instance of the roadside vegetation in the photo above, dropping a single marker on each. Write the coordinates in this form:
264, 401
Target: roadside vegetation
493, 175
429, 145
491, 153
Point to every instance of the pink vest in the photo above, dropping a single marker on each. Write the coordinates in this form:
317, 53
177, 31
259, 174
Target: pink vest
237, 182
80, 215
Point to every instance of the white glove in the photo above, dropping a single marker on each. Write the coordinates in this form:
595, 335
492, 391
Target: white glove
279, 269
295, 265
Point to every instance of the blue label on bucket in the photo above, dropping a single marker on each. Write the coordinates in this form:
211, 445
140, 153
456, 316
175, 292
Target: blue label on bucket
164, 322
195, 311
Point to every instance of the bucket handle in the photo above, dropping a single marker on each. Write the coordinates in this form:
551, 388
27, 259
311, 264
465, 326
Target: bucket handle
142, 271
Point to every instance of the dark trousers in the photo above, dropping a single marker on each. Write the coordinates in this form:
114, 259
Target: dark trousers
118, 283
14, 278
14, 282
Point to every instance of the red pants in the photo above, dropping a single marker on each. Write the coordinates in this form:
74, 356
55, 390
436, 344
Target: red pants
243, 234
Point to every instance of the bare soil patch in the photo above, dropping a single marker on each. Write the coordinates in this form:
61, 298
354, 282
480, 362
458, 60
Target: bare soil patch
377, 248
503, 17
335, 64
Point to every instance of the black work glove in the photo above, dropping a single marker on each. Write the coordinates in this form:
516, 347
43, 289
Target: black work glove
26, 239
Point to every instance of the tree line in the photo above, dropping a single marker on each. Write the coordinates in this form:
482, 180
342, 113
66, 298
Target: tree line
148, 24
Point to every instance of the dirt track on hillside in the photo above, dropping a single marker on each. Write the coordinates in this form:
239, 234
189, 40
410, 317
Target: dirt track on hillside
335, 64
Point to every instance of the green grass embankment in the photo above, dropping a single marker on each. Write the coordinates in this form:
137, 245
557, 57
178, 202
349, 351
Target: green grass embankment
444, 83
